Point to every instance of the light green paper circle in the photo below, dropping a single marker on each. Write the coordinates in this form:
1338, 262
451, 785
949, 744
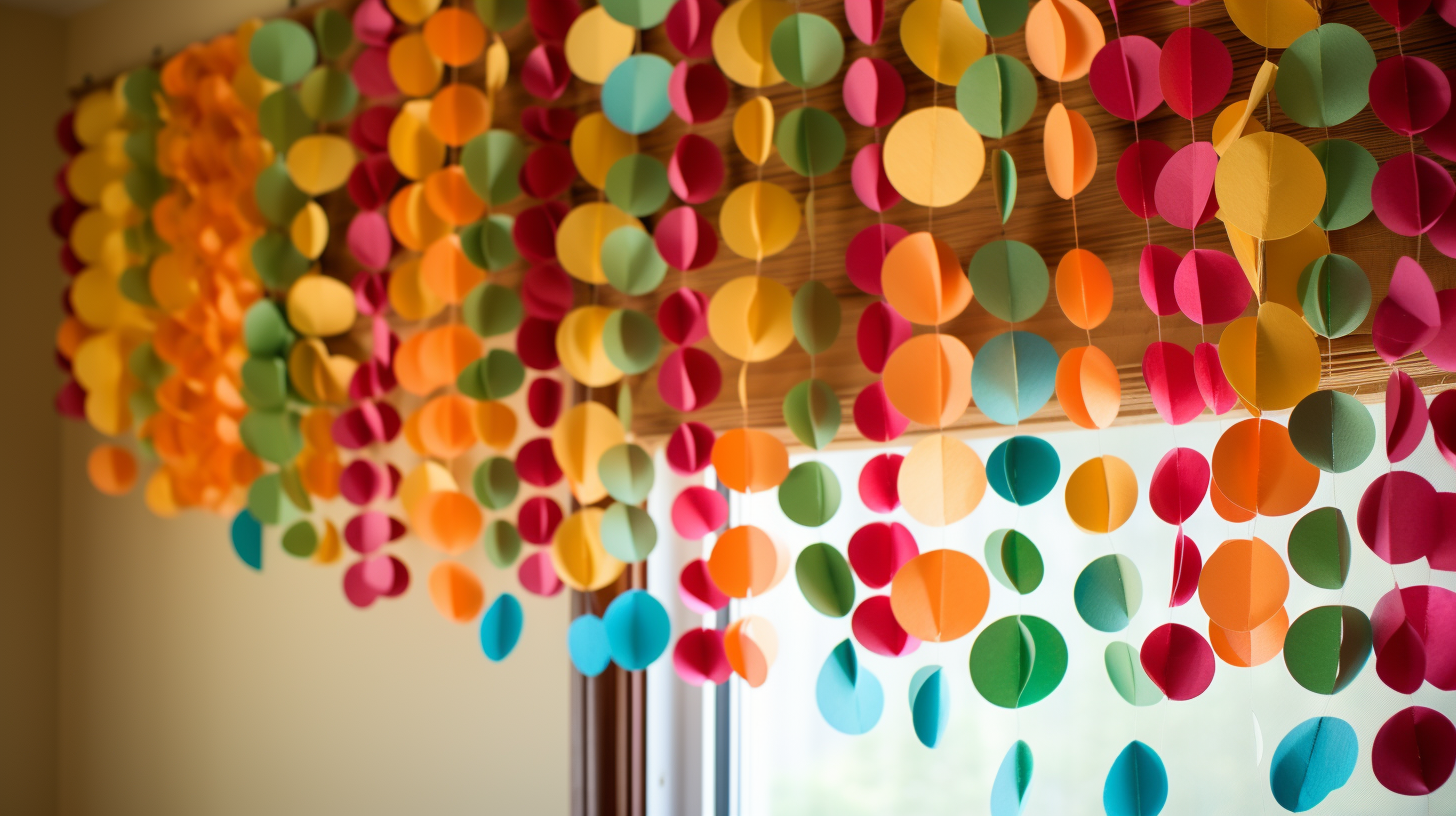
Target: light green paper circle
283, 51
277, 261
631, 340
812, 413
1125, 670
491, 310
631, 262
807, 50
502, 543
1009, 279
637, 184
264, 383
1349, 174
996, 95
1324, 76
810, 140
496, 483
272, 436
500, 15
628, 533
640, 14
626, 472
1326, 647
328, 94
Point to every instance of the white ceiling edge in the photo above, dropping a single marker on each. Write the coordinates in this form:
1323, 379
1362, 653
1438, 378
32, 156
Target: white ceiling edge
59, 8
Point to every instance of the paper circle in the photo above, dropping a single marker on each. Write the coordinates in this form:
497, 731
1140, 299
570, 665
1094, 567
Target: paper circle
1014, 376
1122, 77
1062, 37
689, 448
880, 332
749, 460
878, 550
577, 442
1245, 461
596, 43
537, 519
928, 379
1183, 194
939, 38
1409, 94
810, 141
1324, 76
759, 218
282, 50
698, 511
1108, 593
940, 596
581, 561
1414, 751
876, 629
824, 580
1101, 494
874, 92
696, 589
628, 533
695, 172
864, 257
1271, 360
1084, 289
874, 417
583, 233
634, 97
879, 483
1243, 584
1262, 202
596, 145
806, 49
111, 469
922, 280
1334, 293
626, 473
1000, 657
932, 156
1410, 193
1087, 387
1195, 71
1009, 278
1326, 647
746, 562
941, 481
1399, 517
741, 41
809, 495
688, 379
1023, 469
685, 239
811, 412
1332, 431
750, 318
690, 26
630, 340
1178, 660
1014, 560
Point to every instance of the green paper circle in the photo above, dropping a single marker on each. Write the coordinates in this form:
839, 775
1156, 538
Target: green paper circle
812, 413
491, 309
1349, 174
825, 580
502, 543
294, 490
136, 286
328, 94
283, 121
631, 340
640, 14
1319, 548
488, 243
1014, 561
495, 482
278, 199
1003, 177
140, 90
266, 332
997, 18
141, 145
283, 51
809, 495
816, 317
1010, 280
1108, 593
1332, 431
1326, 647
1014, 376
637, 184
272, 436
499, 15
146, 366
265, 499
264, 383
1324, 76
634, 97
144, 185
1125, 670
630, 261
1023, 469
492, 164
807, 49
628, 533
277, 261
626, 472
334, 32
497, 375
810, 140
996, 94
300, 540
1334, 294
1018, 660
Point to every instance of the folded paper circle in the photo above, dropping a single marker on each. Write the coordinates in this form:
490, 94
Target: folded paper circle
825, 580
810, 494
750, 318
806, 49
750, 460
996, 95
1261, 201
1271, 360
1138, 170
537, 519
874, 92
939, 38
637, 184
596, 145
1018, 660
1410, 193
752, 645
1014, 376
932, 156
685, 239
741, 41
631, 340
879, 487
864, 257
699, 656
1334, 294
880, 332
1014, 561
811, 412
1125, 670
698, 92
876, 629
1414, 751
878, 550
1068, 148
759, 218
581, 561
1009, 278
626, 472
849, 697
1400, 517
502, 543
1332, 431
690, 448
1062, 37
1178, 660
1023, 469
1326, 647
698, 511
1088, 389
922, 280
940, 596
586, 642
1123, 77
689, 27
1101, 494
697, 590
1108, 593
581, 347
1184, 193
1195, 71
1324, 76
875, 417
746, 562
596, 43
689, 378
1243, 584
1179, 484
628, 533
928, 379
1258, 469
1319, 548
810, 141
1084, 289
941, 481
1409, 94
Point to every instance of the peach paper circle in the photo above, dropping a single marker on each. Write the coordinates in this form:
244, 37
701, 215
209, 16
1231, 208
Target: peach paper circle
941, 481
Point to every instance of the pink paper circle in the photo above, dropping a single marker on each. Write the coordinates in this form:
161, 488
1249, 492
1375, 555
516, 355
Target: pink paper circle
373, 379
874, 93
879, 549
70, 401
871, 184
689, 26
697, 92
369, 239
1178, 661
1410, 316
373, 181
1406, 416
1441, 137
371, 73
1210, 287
875, 418
698, 511
690, 448
365, 424
1410, 627
548, 124
1213, 385
1157, 271
1194, 72
545, 73
881, 330
1184, 192
878, 483
697, 590
371, 294
538, 575
547, 292
1414, 751
699, 657
1180, 481
695, 170
865, 18
536, 344
356, 591
1443, 429
1124, 77
1409, 94
1443, 234
865, 255
372, 529
1172, 386
548, 171
875, 628
685, 239
1411, 193
373, 24
682, 317
1137, 175
536, 463
364, 481
537, 519
1187, 566
688, 379
543, 401
1400, 518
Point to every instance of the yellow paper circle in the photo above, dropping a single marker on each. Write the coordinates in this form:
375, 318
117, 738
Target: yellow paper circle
96, 113
579, 347
581, 561
941, 481
427, 477
596, 43
1272, 360
413, 12
413, 221
932, 157
596, 145
1101, 494
310, 231
409, 295
1230, 117
759, 219
414, 149
321, 306
88, 174
89, 234
581, 233
413, 66
1269, 185
741, 41
753, 129
578, 441
321, 163
751, 318
96, 299
940, 39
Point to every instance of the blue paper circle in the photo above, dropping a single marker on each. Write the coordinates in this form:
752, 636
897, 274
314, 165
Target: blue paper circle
586, 640
637, 629
1014, 376
247, 535
929, 704
634, 97
1314, 758
1023, 469
1137, 785
500, 629
850, 698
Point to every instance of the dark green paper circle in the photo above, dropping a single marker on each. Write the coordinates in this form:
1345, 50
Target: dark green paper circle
491, 309
496, 483
1018, 660
810, 140
816, 317
1014, 561
497, 375
1332, 431
1334, 294
810, 494
825, 580
637, 184
1319, 548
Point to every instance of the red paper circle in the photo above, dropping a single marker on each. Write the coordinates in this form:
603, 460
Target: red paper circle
878, 485
865, 255
697, 590
871, 184
875, 418
690, 448
689, 26
536, 344
373, 24
1184, 192
688, 379
534, 230
1179, 484
373, 181
1172, 385
879, 549
1187, 566
372, 529
699, 656
1409, 94
545, 73
536, 463
1411, 627
365, 424
543, 401
369, 239
551, 19
548, 124
1194, 72
1411, 193
370, 129
548, 171
538, 575
695, 170
876, 629
881, 330
685, 239
1406, 416
1414, 751
1210, 287
1137, 175
1213, 385
697, 92
1122, 77
1399, 517
537, 519
547, 292
698, 511
371, 74
1178, 661
682, 317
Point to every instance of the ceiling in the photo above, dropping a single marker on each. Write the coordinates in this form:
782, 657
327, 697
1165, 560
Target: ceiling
60, 8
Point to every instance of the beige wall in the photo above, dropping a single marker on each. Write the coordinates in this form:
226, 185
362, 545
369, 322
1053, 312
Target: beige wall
191, 685
31, 98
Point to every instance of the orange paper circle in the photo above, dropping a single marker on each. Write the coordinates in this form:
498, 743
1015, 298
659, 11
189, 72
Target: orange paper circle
413, 221
751, 646
923, 280
1062, 37
746, 561
1258, 469
415, 69
1101, 494
1084, 289
749, 460
494, 423
455, 35
445, 426
113, 469
456, 592
447, 272
448, 193
940, 595
1249, 649
459, 113
751, 318
1088, 387
928, 379
1243, 584
448, 521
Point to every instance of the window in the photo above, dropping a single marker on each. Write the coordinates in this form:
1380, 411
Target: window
737, 751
